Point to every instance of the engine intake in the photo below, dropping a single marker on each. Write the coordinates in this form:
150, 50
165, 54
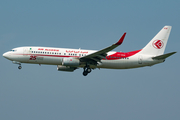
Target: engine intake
65, 68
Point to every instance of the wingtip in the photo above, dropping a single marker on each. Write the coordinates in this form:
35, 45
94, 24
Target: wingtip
121, 39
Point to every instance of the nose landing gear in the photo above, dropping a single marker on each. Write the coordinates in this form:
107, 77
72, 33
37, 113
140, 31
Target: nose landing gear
19, 67
15, 62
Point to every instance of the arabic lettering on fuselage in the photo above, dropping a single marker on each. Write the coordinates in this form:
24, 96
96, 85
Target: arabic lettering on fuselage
72, 51
67, 51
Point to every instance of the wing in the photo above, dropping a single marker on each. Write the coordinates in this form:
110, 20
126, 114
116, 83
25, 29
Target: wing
101, 54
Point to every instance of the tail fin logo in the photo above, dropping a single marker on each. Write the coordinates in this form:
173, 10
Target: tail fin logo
158, 44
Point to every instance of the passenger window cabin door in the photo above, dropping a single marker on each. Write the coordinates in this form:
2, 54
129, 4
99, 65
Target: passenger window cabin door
140, 59
25, 51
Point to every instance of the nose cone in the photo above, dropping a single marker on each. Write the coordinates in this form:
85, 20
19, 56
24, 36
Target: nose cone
5, 55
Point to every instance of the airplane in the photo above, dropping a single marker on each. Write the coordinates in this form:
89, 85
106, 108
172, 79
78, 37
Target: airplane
71, 59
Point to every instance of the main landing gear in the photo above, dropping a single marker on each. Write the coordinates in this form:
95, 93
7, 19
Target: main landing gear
87, 70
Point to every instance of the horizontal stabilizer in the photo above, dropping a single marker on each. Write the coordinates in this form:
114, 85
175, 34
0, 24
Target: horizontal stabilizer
162, 57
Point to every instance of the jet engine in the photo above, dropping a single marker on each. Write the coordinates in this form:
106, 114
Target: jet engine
65, 68
70, 61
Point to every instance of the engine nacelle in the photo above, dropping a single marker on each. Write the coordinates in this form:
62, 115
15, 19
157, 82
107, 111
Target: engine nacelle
70, 61
65, 68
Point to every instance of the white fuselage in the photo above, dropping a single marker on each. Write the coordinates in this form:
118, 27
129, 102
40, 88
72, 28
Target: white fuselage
55, 56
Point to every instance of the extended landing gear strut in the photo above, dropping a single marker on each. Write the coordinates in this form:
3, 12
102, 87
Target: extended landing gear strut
19, 67
87, 70
15, 62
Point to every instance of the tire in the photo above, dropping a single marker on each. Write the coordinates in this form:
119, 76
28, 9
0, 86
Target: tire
19, 67
88, 70
85, 73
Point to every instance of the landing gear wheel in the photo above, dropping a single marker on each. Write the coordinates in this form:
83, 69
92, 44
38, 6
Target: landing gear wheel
85, 73
19, 67
87, 70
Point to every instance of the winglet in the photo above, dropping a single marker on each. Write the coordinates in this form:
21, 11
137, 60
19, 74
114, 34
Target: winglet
121, 39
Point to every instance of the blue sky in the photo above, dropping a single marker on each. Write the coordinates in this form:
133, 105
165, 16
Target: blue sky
43, 93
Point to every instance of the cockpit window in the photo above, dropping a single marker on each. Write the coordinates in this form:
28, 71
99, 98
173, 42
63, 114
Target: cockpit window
12, 50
